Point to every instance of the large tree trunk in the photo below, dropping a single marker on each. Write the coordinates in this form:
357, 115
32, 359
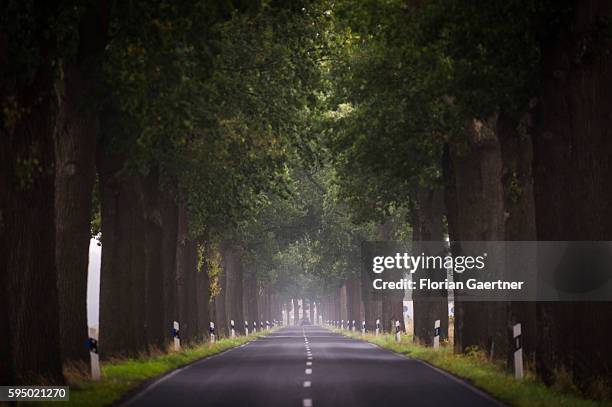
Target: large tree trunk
354, 300
572, 173
75, 148
122, 274
220, 312
428, 226
169, 215
203, 296
29, 345
186, 269
250, 298
154, 274
392, 300
368, 296
311, 309
343, 303
232, 267
517, 180
479, 217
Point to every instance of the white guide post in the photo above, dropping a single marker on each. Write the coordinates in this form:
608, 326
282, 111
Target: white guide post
363, 327
436, 341
232, 329
212, 332
254, 327
377, 327
94, 357
246, 328
175, 336
518, 352
267, 324
353, 325
342, 324
398, 334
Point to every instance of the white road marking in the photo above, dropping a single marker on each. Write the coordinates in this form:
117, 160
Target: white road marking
308, 371
309, 358
307, 402
308, 363
307, 383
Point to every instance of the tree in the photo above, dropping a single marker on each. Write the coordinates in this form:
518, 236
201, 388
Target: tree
76, 127
28, 277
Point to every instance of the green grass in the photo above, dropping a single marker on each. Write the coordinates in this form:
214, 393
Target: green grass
121, 376
484, 374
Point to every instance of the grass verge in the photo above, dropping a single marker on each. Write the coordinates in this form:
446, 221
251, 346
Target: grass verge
484, 374
124, 375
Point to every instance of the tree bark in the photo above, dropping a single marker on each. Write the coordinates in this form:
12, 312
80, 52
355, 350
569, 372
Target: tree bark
75, 150
311, 309
123, 271
479, 217
354, 300
392, 301
154, 273
203, 296
250, 298
517, 181
29, 347
343, 303
232, 267
572, 172
428, 227
169, 215
220, 312
186, 269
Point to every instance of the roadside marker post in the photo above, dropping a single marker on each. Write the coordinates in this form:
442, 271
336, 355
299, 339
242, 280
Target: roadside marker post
261, 326
377, 327
176, 336
353, 325
342, 324
267, 324
246, 328
94, 357
397, 331
363, 327
518, 352
436, 341
232, 330
212, 332
254, 327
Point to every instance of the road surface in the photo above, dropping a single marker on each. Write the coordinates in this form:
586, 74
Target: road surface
309, 366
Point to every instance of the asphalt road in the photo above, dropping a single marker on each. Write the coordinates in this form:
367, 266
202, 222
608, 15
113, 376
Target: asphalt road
309, 366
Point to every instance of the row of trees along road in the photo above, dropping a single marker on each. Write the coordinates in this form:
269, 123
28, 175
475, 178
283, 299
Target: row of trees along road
487, 122
167, 121
233, 156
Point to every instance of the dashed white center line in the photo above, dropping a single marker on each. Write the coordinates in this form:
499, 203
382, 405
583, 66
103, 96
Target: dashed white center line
308, 363
307, 402
308, 371
307, 383
309, 358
